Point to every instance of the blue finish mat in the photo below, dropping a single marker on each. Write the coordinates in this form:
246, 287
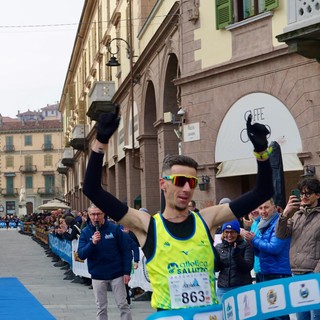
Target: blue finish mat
16, 302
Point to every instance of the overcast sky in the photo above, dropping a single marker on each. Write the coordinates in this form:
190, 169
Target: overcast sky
36, 42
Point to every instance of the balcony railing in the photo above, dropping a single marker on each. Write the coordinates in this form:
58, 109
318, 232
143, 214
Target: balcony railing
10, 192
9, 148
48, 191
302, 14
28, 169
302, 32
47, 147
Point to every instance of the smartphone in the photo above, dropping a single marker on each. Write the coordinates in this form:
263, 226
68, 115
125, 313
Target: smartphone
296, 192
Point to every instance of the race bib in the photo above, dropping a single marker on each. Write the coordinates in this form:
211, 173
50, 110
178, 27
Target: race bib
190, 290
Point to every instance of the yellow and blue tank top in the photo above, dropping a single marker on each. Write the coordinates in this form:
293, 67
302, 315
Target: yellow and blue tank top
181, 271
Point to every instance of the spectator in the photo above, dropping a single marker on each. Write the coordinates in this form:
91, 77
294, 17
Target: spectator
273, 252
254, 228
73, 231
300, 220
134, 247
84, 219
77, 218
109, 259
247, 223
192, 206
234, 259
7, 220
219, 228
177, 236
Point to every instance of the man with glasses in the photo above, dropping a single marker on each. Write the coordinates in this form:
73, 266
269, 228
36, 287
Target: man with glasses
300, 220
192, 206
177, 241
109, 259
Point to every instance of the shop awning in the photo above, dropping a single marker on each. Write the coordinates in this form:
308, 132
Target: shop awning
241, 167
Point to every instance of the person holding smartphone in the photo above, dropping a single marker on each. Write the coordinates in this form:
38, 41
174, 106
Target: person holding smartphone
300, 220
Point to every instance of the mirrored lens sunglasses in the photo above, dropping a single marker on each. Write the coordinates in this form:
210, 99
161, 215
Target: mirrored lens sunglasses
180, 180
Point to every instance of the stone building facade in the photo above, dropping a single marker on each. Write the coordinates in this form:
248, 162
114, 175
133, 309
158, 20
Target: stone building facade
31, 147
189, 73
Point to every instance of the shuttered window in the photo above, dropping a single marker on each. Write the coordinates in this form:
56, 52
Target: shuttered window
231, 11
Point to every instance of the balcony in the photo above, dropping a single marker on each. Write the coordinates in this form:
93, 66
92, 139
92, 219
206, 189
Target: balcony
62, 169
67, 157
302, 34
78, 140
47, 147
48, 191
100, 97
28, 169
10, 192
9, 148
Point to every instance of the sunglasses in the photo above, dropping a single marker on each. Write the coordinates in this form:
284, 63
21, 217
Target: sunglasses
181, 180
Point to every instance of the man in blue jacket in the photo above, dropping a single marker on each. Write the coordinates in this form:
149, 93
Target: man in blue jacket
273, 252
109, 260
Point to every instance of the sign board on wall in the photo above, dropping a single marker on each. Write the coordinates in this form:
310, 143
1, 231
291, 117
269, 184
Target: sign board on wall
233, 147
191, 132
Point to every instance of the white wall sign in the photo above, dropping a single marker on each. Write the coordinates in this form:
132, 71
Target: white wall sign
191, 132
233, 142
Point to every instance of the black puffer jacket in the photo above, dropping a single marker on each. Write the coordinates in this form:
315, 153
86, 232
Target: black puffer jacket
234, 265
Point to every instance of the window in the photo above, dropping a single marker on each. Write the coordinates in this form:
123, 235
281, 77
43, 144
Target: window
231, 11
29, 182
49, 183
48, 160
9, 162
9, 185
28, 163
9, 144
28, 140
47, 142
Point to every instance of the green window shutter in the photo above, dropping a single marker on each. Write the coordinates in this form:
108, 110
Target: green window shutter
224, 13
271, 4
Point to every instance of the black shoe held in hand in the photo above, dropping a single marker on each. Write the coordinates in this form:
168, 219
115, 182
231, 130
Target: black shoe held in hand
257, 133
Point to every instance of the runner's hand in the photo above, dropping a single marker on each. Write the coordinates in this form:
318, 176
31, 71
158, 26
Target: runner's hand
257, 133
107, 124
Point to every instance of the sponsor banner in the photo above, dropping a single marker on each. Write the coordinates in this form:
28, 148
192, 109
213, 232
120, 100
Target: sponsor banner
257, 301
61, 247
213, 312
273, 298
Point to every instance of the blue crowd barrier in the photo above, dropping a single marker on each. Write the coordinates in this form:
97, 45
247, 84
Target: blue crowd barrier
12, 225
261, 300
61, 247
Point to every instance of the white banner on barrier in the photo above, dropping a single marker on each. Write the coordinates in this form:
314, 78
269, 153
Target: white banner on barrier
139, 276
79, 267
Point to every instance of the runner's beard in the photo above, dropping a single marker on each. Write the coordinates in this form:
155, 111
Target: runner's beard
179, 208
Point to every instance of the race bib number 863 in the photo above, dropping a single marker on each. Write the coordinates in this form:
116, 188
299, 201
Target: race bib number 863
190, 290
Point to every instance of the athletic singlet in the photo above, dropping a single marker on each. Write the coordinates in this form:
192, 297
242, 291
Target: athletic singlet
181, 271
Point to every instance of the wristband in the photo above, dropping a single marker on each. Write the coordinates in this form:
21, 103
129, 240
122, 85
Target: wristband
263, 156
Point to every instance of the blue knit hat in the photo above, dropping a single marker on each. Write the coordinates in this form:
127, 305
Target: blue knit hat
231, 225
